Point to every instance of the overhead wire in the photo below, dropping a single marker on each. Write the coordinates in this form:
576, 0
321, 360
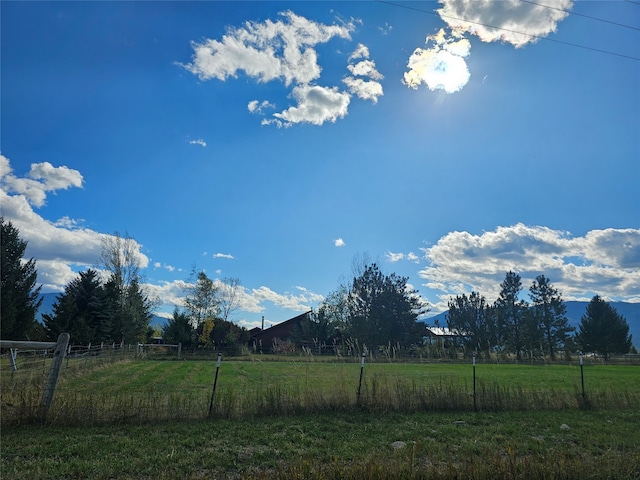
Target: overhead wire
539, 37
571, 12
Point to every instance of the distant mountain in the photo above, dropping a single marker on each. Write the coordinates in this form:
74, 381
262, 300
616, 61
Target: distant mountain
575, 311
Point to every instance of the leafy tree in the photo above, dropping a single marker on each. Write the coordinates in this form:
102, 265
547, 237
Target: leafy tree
81, 310
603, 330
510, 314
383, 310
19, 300
179, 330
129, 305
229, 295
205, 332
549, 313
201, 300
468, 315
227, 334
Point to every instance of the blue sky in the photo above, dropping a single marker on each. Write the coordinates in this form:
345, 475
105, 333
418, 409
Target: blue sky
277, 141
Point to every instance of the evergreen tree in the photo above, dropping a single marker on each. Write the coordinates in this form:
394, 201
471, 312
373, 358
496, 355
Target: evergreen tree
603, 330
510, 312
382, 310
179, 330
549, 314
20, 298
468, 316
80, 311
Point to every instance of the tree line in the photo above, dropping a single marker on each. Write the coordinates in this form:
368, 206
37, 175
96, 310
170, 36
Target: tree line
373, 311
539, 327
97, 306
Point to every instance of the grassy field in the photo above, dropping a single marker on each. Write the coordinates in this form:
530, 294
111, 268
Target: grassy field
502, 445
303, 419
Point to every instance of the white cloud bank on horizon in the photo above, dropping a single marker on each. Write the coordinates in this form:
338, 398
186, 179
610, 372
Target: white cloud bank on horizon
62, 248
603, 262
284, 50
442, 66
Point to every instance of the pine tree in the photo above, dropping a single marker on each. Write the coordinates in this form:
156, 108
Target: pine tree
468, 316
549, 314
382, 310
81, 311
510, 312
179, 330
603, 330
20, 298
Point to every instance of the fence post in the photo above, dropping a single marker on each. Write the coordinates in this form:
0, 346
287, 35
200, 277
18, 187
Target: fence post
215, 382
475, 405
361, 372
54, 373
179, 349
582, 374
13, 354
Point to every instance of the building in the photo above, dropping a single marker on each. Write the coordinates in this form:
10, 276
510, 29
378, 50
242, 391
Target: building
276, 339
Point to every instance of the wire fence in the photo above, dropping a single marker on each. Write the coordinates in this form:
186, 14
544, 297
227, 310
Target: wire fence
159, 382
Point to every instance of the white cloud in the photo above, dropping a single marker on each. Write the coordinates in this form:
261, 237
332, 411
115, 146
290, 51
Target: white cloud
223, 255
367, 88
339, 242
315, 105
61, 247
255, 106
282, 50
441, 66
394, 257
199, 141
604, 262
42, 178
516, 22
386, 29
361, 51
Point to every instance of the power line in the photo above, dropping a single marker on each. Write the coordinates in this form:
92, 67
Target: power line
580, 15
607, 52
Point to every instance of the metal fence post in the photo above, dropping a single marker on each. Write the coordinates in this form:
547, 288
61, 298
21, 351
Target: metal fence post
361, 372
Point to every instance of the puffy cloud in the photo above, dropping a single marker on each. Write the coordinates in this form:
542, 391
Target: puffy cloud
298, 303
199, 141
255, 106
603, 262
61, 247
284, 50
42, 178
367, 88
267, 51
223, 255
339, 242
441, 66
510, 21
315, 105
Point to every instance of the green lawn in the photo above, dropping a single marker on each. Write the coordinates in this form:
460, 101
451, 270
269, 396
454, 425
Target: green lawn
302, 419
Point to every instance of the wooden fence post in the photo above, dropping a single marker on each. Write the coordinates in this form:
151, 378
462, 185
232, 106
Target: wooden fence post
13, 354
54, 373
